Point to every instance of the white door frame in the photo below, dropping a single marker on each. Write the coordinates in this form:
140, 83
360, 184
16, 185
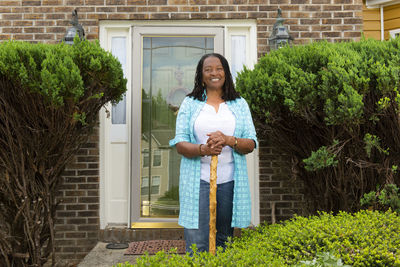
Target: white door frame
115, 202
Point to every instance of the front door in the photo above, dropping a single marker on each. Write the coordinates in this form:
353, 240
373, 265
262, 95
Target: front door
164, 64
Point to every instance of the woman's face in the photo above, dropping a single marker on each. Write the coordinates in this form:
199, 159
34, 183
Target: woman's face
213, 73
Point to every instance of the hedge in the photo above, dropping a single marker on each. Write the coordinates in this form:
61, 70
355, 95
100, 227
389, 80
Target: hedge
365, 238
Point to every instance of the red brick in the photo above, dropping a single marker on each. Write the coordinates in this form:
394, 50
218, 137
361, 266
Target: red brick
22, 23
352, 7
136, 2
75, 207
75, 2
320, 28
126, 9
52, 2
88, 213
353, 21
97, 16
331, 34
157, 2
290, 7
227, 8
76, 235
342, 27
217, 2
321, 1
208, 8
22, 9
268, 8
297, 14
22, 36
4, 23
180, 15
95, 2
309, 21
4, 10
12, 30
118, 16
332, 8
31, 2
247, 8
236, 15
109, 10
12, 16
55, 16
343, 14
311, 8
159, 16
352, 34
342, 1
33, 16
238, 2
197, 2
310, 34
34, 30
115, 2
171, 2
331, 21
88, 199
10, 3
297, 2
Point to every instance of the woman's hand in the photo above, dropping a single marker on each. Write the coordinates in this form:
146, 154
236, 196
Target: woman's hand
217, 139
207, 150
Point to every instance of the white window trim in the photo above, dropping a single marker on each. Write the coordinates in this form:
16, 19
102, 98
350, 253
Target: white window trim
393, 33
112, 28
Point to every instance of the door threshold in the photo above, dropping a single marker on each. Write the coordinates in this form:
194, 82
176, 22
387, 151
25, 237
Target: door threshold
137, 225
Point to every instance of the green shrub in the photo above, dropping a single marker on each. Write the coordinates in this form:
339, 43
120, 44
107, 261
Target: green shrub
387, 198
366, 238
50, 96
333, 109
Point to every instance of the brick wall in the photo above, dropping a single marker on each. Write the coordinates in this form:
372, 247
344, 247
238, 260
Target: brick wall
77, 217
47, 21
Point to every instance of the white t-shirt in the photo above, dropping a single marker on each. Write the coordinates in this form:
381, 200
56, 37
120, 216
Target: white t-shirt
210, 121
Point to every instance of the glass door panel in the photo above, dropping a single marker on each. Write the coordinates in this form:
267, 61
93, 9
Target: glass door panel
168, 70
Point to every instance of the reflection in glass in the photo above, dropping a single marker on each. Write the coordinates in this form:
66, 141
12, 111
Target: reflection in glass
118, 49
238, 56
169, 65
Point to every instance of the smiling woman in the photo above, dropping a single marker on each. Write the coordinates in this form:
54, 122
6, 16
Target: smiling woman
213, 120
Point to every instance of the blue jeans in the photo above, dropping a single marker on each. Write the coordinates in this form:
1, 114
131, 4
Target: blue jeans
224, 217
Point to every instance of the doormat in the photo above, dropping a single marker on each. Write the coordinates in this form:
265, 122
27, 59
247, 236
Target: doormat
154, 246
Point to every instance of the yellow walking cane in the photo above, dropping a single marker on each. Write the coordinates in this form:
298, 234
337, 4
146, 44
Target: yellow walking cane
213, 204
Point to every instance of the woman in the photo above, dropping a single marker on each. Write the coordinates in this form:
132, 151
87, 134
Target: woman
213, 120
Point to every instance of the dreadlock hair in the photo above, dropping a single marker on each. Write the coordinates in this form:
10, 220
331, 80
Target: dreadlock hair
228, 89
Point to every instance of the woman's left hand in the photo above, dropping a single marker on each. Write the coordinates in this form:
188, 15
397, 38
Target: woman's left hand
216, 139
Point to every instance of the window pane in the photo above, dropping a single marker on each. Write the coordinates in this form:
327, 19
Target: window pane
157, 158
145, 154
169, 65
238, 56
118, 49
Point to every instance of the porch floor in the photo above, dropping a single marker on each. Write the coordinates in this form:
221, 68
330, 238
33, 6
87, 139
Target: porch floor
100, 256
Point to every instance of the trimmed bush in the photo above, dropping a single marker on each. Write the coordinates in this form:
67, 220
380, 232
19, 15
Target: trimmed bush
366, 238
334, 109
50, 96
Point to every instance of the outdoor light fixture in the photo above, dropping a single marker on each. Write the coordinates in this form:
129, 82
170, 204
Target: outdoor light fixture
280, 35
76, 29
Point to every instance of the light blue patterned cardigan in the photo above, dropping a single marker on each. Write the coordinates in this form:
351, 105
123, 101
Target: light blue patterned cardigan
189, 181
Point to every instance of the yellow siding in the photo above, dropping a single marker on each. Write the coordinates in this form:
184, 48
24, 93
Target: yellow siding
372, 24
392, 19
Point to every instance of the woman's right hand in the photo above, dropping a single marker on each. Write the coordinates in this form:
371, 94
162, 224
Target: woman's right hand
208, 150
